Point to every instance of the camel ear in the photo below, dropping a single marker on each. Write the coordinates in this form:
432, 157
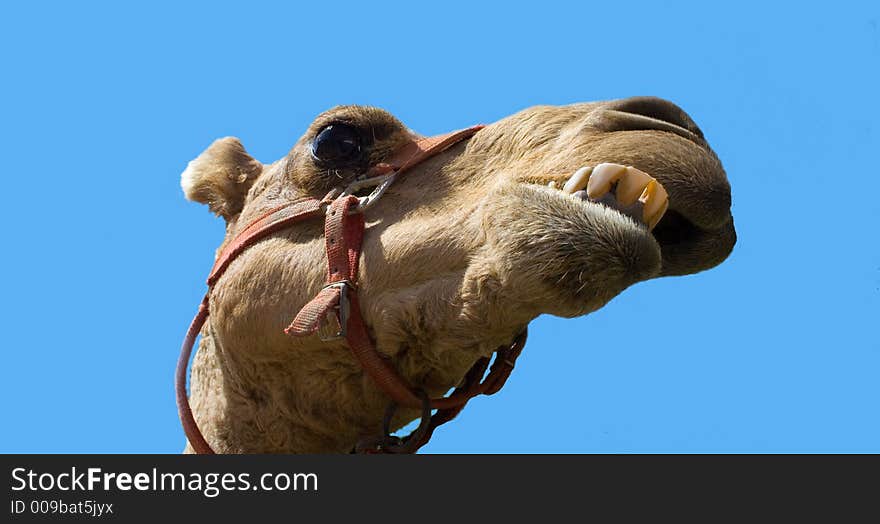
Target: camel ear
221, 177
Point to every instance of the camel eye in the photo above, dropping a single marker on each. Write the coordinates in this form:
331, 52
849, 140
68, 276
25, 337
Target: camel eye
337, 144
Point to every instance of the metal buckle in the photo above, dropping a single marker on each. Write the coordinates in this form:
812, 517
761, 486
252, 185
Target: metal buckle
380, 182
342, 309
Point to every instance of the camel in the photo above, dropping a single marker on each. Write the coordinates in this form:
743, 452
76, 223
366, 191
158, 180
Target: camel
545, 211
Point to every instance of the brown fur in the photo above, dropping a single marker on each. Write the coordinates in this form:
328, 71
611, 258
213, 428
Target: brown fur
459, 255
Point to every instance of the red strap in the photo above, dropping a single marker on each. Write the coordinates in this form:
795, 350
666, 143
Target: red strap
473, 385
309, 319
271, 221
190, 428
424, 148
344, 234
379, 369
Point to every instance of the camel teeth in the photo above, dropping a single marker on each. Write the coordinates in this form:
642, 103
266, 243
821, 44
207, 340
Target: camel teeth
552, 184
578, 180
631, 185
603, 176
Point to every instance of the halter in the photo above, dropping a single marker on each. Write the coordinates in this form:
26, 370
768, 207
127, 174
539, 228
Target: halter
337, 303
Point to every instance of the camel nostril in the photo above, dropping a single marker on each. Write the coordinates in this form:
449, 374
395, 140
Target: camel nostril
647, 113
658, 109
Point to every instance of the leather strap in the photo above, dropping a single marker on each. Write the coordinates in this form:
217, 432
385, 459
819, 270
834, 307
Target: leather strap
344, 231
420, 150
273, 220
190, 427
343, 234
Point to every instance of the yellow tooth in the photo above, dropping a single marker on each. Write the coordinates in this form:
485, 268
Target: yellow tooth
578, 180
552, 184
632, 185
603, 176
655, 201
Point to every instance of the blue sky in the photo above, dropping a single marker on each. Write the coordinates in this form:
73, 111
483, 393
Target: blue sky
103, 261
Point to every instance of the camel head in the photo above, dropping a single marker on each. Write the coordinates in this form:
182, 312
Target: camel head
458, 256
